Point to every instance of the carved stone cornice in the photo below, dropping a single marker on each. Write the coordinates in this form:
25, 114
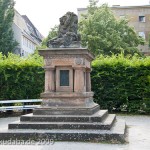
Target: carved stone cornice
59, 53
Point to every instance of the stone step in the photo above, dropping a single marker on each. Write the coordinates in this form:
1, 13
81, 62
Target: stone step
105, 125
115, 135
90, 110
97, 117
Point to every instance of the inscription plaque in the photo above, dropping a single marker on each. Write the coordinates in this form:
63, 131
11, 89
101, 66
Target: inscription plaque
64, 77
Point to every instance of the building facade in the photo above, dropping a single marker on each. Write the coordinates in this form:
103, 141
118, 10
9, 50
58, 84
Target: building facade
26, 34
139, 18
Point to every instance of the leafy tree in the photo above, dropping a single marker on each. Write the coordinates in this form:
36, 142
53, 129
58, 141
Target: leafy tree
104, 34
52, 33
92, 6
7, 43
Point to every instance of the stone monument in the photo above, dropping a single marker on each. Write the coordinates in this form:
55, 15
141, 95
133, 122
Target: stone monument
68, 112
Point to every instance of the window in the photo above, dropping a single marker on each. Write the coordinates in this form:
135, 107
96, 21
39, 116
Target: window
23, 41
32, 46
141, 18
22, 53
64, 77
29, 44
142, 34
30, 28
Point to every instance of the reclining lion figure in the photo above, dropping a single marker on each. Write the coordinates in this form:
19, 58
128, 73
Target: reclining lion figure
67, 32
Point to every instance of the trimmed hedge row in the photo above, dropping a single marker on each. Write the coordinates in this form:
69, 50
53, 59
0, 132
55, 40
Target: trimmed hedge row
21, 78
122, 84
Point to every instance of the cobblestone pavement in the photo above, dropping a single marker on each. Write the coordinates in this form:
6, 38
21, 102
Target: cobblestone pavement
138, 137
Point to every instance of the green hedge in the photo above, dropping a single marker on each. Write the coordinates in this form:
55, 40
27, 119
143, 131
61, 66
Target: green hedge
122, 84
21, 78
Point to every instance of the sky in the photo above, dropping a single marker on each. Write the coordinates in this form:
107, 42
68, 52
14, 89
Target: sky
45, 14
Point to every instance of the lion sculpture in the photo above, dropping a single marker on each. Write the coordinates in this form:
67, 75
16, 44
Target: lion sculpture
67, 32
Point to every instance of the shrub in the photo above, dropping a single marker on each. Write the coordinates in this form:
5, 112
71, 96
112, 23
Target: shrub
122, 83
119, 83
21, 78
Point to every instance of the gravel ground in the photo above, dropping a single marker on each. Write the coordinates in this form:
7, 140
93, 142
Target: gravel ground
138, 137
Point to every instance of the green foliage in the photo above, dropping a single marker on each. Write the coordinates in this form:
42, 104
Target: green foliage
119, 83
104, 34
21, 78
7, 43
52, 33
92, 6
122, 84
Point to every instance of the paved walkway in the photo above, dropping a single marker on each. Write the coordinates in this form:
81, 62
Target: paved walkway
139, 138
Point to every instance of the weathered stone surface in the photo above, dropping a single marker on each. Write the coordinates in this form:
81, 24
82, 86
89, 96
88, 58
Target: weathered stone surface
66, 110
115, 134
105, 125
67, 99
67, 33
59, 54
97, 117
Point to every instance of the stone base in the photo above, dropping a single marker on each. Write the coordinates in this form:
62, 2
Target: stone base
67, 117
92, 123
96, 117
67, 99
66, 110
115, 135
67, 103
96, 127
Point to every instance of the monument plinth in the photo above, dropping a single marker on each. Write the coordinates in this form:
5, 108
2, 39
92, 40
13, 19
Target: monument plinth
67, 81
